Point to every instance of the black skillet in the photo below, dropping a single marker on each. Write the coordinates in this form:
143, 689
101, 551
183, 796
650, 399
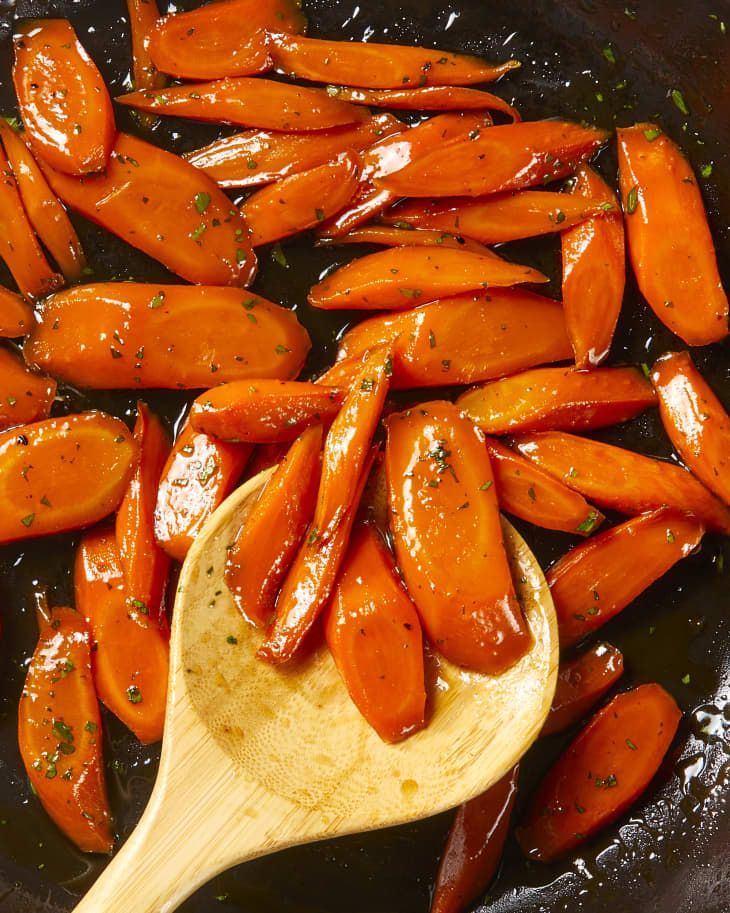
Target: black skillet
670, 854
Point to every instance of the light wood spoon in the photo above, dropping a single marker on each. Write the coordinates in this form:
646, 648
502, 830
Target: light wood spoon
256, 759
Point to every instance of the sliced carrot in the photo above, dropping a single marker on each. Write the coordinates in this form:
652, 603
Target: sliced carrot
63, 100
602, 772
556, 399
448, 538
125, 335
301, 201
531, 494
504, 158
16, 315
130, 656
670, 243
144, 16
400, 236
25, 396
268, 541
264, 456
429, 98
59, 731
621, 480
594, 272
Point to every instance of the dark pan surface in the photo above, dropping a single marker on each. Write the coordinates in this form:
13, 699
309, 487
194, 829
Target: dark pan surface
670, 855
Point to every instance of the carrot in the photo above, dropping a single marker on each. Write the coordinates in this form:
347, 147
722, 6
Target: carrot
264, 456
166, 208
601, 773
62, 474
144, 16
374, 635
594, 272
599, 578
448, 538
59, 732
627, 482
301, 201
269, 539
16, 315
429, 98
474, 846
556, 399
125, 335
582, 682
25, 396
530, 493
63, 100
670, 244
264, 411
391, 236
695, 420
503, 158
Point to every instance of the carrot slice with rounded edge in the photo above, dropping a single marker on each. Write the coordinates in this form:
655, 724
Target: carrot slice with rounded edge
448, 538
594, 272
144, 563
429, 98
670, 243
131, 654
268, 541
46, 468
599, 578
144, 16
398, 278
199, 474
264, 411
503, 158
557, 399
161, 205
474, 846
59, 732
391, 236
301, 201
63, 100
582, 682
374, 635
531, 494
621, 480
695, 420
126, 335
25, 396
602, 772
16, 315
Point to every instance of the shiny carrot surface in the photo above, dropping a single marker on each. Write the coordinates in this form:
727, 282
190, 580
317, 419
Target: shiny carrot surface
264, 456
448, 538
670, 244
429, 98
392, 236
25, 395
126, 335
144, 16
16, 315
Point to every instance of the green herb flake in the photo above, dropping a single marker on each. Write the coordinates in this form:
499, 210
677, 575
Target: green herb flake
202, 202
278, 255
319, 215
679, 101
27, 521
282, 350
589, 523
485, 486
670, 536
645, 369
199, 232
134, 695
410, 292
706, 170
231, 640
11, 401
609, 53
632, 200
431, 339
313, 536
630, 744
652, 133
90, 727
157, 301
686, 679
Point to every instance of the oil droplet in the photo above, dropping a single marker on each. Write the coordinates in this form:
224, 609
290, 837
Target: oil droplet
409, 787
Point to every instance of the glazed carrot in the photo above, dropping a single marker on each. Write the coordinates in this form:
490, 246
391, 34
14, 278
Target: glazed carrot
391, 236
25, 396
268, 541
594, 272
695, 420
125, 335
301, 201
59, 732
448, 538
582, 682
474, 846
173, 212
374, 635
602, 772
264, 456
504, 158
531, 494
63, 100
62, 474
429, 98
264, 411
16, 315
670, 244
130, 658
599, 578
199, 475
556, 399
144, 564
144, 16
621, 480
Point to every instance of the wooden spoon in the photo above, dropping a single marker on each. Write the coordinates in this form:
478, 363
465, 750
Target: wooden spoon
256, 759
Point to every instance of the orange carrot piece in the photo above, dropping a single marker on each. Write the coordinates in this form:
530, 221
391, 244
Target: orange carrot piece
264, 456
429, 98
594, 272
16, 315
59, 732
98, 337
268, 541
144, 16
670, 243
448, 538
63, 100
602, 772
131, 657
391, 236
25, 396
